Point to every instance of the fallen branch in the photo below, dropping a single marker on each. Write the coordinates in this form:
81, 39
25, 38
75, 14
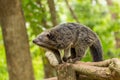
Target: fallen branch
104, 70
53, 78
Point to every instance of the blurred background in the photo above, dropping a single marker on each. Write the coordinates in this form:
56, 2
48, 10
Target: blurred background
102, 16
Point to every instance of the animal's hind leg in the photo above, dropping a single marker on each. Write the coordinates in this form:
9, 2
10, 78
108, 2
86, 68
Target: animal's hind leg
73, 55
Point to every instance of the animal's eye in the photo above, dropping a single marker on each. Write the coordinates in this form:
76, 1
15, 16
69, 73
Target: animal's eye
51, 37
48, 35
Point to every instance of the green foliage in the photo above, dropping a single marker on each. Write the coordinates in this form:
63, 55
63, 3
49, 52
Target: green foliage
96, 15
3, 64
36, 57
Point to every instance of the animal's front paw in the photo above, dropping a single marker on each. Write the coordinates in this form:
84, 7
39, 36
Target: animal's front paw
66, 59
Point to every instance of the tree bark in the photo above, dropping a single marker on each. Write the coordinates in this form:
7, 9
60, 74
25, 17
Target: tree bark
104, 70
53, 78
117, 39
15, 40
53, 13
49, 71
66, 72
114, 17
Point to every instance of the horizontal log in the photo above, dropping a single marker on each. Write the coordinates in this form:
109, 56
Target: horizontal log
53, 78
103, 70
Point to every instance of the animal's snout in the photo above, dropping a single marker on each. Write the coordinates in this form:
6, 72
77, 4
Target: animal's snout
35, 40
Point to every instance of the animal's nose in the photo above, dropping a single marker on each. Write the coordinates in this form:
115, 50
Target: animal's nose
35, 40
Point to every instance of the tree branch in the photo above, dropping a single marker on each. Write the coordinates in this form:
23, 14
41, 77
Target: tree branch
53, 78
104, 70
44, 22
53, 13
71, 11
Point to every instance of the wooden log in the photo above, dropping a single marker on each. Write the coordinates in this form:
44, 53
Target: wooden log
92, 72
66, 72
104, 70
53, 78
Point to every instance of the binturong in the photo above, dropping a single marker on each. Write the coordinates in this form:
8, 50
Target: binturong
74, 39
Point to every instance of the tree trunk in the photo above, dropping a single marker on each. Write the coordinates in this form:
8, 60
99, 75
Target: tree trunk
53, 13
65, 72
43, 10
72, 12
49, 71
117, 38
15, 40
114, 17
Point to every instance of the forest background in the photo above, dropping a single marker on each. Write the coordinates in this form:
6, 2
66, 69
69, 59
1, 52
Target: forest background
102, 16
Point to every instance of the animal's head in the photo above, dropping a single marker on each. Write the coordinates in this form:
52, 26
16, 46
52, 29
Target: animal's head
49, 39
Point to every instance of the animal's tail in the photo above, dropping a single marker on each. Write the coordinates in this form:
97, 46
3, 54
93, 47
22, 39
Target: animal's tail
96, 51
